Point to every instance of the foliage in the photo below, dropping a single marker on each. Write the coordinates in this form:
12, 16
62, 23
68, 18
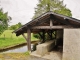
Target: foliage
37, 36
56, 6
4, 19
47, 37
14, 27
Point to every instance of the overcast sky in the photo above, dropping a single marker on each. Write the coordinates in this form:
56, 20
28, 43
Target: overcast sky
74, 6
23, 10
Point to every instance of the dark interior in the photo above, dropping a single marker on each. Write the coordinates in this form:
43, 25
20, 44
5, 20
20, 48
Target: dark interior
58, 44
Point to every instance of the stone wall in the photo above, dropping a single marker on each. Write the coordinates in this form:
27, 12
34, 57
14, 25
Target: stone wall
71, 44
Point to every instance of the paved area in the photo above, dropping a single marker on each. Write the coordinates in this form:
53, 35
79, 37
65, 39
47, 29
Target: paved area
54, 55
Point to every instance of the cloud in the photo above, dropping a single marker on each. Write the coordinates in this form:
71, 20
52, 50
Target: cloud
73, 5
23, 10
20, 10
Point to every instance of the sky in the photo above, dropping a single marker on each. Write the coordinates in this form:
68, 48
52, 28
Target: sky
74, 6
20, 10
23, 10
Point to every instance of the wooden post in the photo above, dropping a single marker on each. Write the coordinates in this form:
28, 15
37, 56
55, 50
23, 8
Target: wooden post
43, 36
29, 39
51, 34
51, 23
25, 39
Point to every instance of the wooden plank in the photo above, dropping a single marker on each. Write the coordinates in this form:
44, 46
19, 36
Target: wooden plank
50, 27
29, 39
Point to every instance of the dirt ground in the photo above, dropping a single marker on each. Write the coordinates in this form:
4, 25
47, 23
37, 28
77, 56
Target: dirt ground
13, 56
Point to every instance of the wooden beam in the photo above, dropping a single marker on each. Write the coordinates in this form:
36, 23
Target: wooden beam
29, 39
24, 36
48, 27
40, 35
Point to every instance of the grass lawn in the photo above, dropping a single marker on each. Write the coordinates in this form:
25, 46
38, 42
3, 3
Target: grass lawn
8, 39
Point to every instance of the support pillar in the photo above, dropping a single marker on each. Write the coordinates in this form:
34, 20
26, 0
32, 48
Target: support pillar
51, 34
25, 38
29, 39
43, 36
51, 22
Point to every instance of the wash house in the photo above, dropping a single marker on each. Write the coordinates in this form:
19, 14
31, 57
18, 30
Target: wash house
65, 29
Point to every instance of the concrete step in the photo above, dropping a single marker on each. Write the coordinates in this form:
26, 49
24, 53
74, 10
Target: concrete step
35, 56
54, 55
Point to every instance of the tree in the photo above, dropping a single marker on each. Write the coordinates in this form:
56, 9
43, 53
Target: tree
56, 6
4, 19
16, 26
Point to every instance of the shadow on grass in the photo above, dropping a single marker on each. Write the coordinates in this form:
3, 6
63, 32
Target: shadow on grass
2, 38
5, 38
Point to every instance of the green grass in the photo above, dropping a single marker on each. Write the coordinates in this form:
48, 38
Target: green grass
8, 39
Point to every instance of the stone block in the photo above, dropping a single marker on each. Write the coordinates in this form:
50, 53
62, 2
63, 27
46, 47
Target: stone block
43, 49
